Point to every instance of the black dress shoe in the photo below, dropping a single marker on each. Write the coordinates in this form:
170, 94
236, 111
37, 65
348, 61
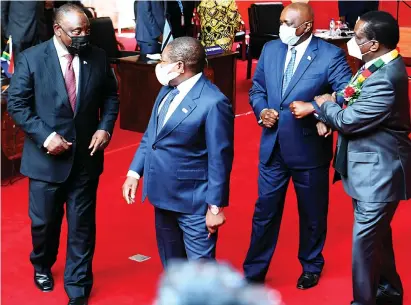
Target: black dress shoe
255, 281
389, 299
308, 280
78, 301
44, 281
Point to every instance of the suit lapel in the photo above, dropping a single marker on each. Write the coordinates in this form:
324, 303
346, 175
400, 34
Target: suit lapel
305, 62
183, 110
85, 64
53, 67
279, 65
162, 94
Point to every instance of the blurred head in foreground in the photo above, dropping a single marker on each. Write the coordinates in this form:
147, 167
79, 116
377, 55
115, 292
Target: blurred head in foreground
210, 283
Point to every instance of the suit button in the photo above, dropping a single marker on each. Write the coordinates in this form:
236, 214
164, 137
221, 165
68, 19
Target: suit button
154, 147
281, 108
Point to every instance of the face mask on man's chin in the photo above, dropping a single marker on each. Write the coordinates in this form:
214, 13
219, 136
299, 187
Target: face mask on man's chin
163, 74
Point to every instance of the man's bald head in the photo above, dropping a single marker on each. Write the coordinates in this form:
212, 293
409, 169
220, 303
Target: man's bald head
296, 14
303, 9
299, 16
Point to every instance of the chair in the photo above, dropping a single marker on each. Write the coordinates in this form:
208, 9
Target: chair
264, 21
240, 37
90, 12
103, 35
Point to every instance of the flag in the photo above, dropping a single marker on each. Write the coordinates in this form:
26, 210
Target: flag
167, 35
7, 59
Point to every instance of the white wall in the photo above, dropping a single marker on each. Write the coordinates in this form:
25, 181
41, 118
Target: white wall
121, 12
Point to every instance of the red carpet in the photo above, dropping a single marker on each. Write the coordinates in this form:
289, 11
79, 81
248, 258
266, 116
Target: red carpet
124, 230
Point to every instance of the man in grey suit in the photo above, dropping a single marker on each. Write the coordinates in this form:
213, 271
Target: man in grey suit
150, 20
373, 155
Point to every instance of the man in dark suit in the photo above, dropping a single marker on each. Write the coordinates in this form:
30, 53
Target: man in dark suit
22, 21
290, 73
150, 20
64, 97
185, 156
179, 14
374, 155
350, 11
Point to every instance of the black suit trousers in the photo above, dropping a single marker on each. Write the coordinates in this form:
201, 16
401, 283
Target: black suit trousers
46, 210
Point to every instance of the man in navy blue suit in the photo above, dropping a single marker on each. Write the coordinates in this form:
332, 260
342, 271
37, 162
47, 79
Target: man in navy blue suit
290, 73
185, 156
64, 97
150, 19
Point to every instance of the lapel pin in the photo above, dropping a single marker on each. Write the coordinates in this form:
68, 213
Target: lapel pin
309, 57
184, 110
85, 62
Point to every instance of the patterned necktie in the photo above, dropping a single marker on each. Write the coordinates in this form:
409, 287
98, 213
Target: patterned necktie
341, 155
70, 80
289, 71
164, 109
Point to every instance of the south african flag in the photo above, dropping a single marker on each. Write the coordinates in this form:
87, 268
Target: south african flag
7, 59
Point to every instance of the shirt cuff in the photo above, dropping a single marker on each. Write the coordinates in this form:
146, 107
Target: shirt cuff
48, 140
133, 174
260, 121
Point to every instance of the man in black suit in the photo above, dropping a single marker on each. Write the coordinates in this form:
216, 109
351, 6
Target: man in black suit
63, 95
22, 20
179, 14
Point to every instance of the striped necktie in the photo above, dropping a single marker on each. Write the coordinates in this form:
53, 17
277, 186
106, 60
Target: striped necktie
70, 81
289, 71
164, 109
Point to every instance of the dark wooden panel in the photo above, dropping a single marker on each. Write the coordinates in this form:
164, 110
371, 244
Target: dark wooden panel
139, 86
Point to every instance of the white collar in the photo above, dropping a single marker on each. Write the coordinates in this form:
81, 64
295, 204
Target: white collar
188, 84
60, 48
385, 57
302, 46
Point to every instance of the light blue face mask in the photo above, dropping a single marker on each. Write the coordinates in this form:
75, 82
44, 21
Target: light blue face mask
288, 34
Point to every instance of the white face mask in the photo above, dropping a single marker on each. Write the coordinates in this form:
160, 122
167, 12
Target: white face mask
288, 36
164, 75
354, 49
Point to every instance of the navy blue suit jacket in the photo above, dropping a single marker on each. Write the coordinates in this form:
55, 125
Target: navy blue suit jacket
39, 104
150, 20
322, 69
188, 164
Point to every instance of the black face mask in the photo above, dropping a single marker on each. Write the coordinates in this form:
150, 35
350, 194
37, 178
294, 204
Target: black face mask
79, 44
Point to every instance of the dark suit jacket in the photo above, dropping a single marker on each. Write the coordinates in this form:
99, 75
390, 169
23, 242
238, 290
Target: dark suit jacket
173, 15
322, 69
150, 20
22, 20
377, 127
39, 104
188, 164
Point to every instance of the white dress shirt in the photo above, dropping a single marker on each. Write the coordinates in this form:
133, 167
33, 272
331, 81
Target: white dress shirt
61, 52
183, 89
301, 48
